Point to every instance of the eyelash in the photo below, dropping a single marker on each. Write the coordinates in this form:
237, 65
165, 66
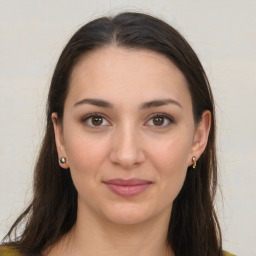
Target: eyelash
161, 115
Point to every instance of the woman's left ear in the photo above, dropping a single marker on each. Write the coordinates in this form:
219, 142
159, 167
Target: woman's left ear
201, 136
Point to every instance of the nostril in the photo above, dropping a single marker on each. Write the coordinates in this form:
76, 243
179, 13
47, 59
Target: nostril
127, 159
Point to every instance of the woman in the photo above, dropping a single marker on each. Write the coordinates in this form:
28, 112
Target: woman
128, 162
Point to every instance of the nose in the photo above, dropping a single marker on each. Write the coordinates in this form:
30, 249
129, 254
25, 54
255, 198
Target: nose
126, 149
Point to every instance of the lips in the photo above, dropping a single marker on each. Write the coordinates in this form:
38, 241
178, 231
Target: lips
130, 187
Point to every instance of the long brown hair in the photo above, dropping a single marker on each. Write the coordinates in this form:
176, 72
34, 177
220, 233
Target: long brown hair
193, 228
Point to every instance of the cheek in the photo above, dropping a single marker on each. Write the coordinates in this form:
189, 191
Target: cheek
85, 154
171, 153
169, 158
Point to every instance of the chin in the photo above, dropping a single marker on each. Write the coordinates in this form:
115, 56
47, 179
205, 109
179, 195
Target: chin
128, 215
128, 220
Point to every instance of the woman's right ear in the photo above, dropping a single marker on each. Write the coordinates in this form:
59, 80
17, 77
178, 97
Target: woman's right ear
59, 140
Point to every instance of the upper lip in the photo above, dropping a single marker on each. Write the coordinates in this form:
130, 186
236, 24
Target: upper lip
127, 182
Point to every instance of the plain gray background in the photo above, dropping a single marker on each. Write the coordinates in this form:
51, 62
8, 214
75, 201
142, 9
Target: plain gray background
222, 32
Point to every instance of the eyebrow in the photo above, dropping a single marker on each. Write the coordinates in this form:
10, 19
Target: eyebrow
145, 105
158, 103
95, 102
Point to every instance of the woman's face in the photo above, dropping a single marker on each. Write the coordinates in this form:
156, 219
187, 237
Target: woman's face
128, 134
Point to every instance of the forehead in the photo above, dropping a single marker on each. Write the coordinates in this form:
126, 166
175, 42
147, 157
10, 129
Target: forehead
119, 73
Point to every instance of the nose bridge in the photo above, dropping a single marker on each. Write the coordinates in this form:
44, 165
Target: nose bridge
126, 149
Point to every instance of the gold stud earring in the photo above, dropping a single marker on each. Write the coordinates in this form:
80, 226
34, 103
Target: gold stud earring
194, 162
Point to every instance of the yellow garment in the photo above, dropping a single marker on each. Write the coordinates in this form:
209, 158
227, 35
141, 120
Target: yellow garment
225, 254
7, 251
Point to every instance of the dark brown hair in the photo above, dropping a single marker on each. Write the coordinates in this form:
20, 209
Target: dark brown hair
193, 228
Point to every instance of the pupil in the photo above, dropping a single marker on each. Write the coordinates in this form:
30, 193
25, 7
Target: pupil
158, 121
97, 120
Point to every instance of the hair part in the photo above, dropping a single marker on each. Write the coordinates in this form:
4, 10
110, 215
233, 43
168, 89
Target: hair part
193, 228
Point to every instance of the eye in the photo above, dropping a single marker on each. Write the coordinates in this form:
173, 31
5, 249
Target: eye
160, 120
95, 120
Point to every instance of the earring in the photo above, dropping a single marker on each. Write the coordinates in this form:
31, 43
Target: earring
194, 162
63, 160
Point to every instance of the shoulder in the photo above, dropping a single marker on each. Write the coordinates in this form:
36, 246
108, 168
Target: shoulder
8, 251
225, 254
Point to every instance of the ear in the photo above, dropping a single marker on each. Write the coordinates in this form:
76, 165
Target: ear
58, 131
201, 136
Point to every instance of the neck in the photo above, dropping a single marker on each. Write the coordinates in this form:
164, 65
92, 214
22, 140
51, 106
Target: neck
96, 236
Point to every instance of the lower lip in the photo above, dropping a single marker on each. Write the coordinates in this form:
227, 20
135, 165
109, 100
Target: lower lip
131, 190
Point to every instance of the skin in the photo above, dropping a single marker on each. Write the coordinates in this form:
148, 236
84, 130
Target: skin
128, 142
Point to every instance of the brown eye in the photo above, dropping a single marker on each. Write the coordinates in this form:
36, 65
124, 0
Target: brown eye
97, 120
158, 121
